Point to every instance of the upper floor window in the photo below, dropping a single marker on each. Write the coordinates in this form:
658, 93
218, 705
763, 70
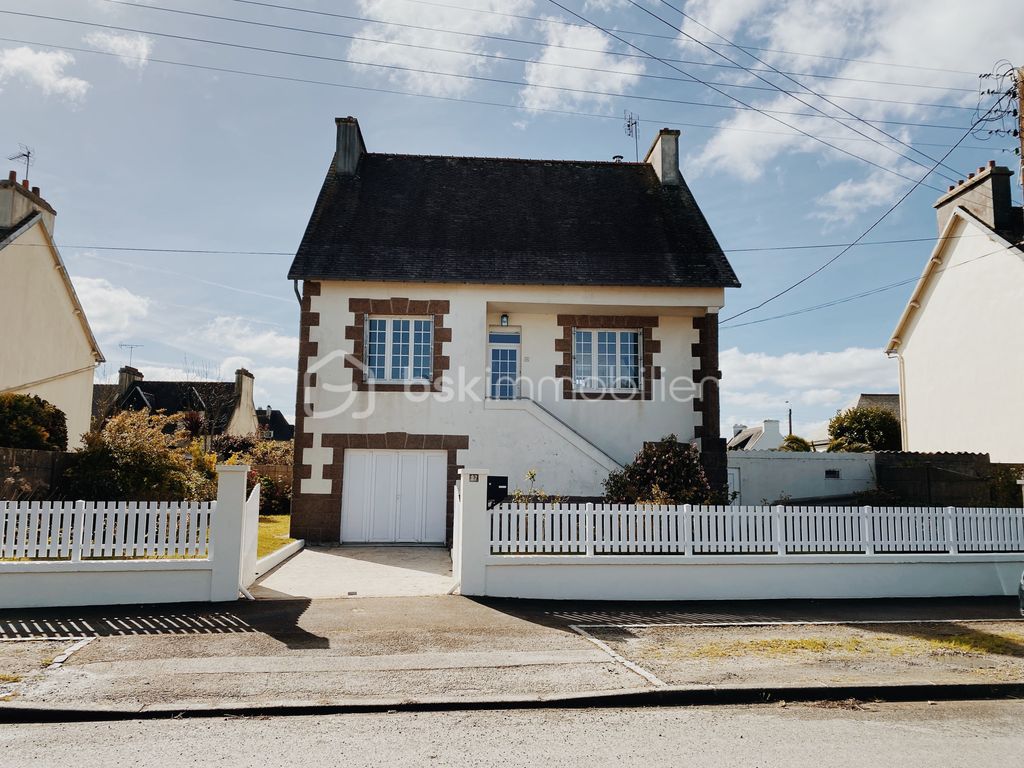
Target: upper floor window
606, 359
399, 349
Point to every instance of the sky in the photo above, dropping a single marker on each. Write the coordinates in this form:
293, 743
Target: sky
152, 146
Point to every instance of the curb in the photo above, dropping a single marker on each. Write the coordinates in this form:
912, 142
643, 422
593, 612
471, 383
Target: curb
659, 697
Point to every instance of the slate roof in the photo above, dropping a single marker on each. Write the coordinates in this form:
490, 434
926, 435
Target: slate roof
217, 398
889, 402
508, 221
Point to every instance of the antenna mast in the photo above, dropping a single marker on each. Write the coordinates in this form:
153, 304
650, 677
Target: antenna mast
131, 350
633, 129
24, 156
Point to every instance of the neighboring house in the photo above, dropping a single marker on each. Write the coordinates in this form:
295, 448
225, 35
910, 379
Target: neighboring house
274, 425
890, 403
959, 340
227, 407
48, 348
502, 313
764, 437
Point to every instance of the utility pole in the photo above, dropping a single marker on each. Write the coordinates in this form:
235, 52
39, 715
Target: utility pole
790, 417
1018, 84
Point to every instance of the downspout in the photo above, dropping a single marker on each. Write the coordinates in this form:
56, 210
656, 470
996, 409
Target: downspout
298, 296
903, 398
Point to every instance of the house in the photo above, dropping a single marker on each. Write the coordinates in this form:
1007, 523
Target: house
48, 348
766, 436
505, 313
959, 341
274, 425
226, 407
888, 402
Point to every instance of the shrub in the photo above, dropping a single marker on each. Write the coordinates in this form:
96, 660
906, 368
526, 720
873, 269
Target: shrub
667, 471
141, 457
27, 421
864, 429
275, 495
226, 446
1003, 483
533, 494
278, 452
795, 444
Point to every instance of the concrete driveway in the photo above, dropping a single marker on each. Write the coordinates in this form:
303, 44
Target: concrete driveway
356, 571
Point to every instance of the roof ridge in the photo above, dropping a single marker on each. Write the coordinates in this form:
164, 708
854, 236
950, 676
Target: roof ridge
509, 159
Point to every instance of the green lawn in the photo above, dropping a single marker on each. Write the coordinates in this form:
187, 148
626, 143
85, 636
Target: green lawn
273, 533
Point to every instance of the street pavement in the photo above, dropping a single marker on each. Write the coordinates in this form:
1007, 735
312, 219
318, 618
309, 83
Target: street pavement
446, 648
853, 734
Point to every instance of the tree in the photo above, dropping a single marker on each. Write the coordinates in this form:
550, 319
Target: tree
28, 421
864, 429
795, 444
665, 472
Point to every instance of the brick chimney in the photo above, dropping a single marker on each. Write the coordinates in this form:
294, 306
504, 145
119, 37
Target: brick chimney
18, 201
664, 156
986, 194
126, 377
350, 147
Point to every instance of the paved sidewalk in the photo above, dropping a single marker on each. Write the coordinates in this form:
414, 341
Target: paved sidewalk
451, 649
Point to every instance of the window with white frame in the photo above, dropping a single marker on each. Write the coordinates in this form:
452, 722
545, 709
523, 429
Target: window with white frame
606, 359
399, 349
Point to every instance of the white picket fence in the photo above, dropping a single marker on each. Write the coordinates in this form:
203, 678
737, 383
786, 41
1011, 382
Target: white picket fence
104, 553
596, 529
77, 531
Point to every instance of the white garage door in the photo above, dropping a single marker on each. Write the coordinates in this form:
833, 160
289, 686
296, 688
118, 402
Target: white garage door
394, 497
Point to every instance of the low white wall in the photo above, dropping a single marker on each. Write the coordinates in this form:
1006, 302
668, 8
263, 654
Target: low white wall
50, 584
763, 477
653, 577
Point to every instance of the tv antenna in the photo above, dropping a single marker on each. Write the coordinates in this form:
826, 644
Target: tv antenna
131, 349
633, 129
24, 156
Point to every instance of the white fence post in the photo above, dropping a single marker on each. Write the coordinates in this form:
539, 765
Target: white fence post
951, 538
475, 535
867, 530
778, 522
77, 532
250, 538
226, 531
687, 525
588, 522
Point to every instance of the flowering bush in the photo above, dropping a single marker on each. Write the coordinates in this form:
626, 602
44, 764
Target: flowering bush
665, 472
27, 421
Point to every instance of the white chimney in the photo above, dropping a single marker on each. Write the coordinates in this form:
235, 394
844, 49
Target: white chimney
350, 147
664, 156
19, 201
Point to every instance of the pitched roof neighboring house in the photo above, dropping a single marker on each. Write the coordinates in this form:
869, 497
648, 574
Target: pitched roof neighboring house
764, 437
274, 425
507, 221
48, 348
889, 402
228, 405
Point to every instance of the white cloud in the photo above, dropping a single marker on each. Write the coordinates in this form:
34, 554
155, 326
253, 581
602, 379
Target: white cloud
929, 33
434, 18
44, 70
111, 310
241, 336
757, 386
132, 49
621, 75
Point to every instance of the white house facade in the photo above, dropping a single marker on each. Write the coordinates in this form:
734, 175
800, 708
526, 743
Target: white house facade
48, 349
517, 315
959, 340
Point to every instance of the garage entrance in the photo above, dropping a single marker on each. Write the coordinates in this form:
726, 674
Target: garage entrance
394, 497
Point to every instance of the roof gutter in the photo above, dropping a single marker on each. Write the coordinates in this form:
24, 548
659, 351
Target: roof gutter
48, 379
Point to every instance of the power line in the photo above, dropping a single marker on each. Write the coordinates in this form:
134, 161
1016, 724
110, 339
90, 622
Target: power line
861, 295
503, 39
416, 94
562, 22
916, 183
766, 113
237, 252
479, 78
514, 59
823, 97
